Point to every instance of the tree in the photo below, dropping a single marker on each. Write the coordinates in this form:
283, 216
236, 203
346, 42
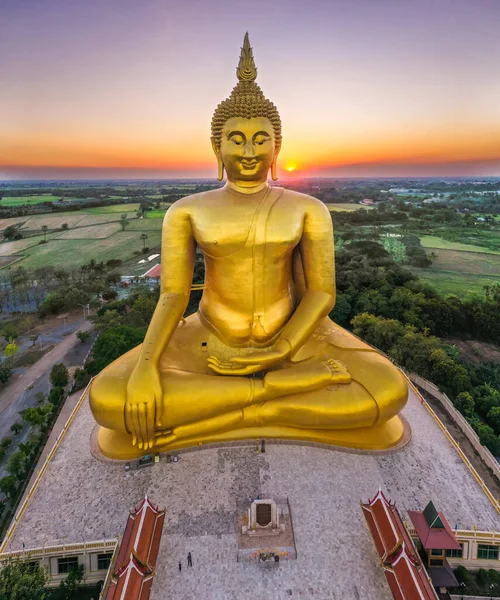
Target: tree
8, 486
23, 581
494, 418
6, 442
464, 402
44, 230
34, 339
64, 226
56, 395
17, 464
123, 221
10, 332
144, 237
109, 295
59, 375
11, 349
72, 581
5, 373
40, 397
38, 416
11, 232
83, 336
16, 427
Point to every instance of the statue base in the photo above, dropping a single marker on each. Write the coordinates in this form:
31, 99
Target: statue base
118, 446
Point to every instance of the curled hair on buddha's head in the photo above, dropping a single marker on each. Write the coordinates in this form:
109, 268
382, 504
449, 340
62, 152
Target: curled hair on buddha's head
246, 99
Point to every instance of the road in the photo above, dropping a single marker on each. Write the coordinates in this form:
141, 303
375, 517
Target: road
17, 386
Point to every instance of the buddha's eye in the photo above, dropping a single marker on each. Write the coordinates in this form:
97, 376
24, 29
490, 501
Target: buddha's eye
261, 140
238, 140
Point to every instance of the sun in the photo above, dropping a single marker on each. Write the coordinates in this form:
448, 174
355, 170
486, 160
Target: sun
291, 168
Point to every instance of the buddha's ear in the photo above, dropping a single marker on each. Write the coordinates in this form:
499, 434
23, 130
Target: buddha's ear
274, 177
220, 164
215, 147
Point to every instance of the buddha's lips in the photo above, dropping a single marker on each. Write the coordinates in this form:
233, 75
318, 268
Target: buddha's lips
249, 165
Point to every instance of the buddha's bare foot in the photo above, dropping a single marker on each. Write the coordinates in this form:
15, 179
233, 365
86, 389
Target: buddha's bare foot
305, 377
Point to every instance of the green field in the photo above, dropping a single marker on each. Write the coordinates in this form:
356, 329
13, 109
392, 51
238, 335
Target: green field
431, 241
460, 272
75, 252
145, 225
332, 207
156, 214
92, 233
21, 200
115, 209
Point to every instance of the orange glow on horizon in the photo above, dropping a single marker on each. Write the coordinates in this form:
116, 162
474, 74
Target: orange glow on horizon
313, 150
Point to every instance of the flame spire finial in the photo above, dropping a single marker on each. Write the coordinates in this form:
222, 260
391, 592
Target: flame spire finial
246, 71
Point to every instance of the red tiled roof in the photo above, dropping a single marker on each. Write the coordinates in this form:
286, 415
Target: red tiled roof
403, 569
154, 271
440, 539
134, 567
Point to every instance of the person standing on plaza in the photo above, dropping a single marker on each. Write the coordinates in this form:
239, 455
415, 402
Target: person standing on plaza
180, 566
190, 560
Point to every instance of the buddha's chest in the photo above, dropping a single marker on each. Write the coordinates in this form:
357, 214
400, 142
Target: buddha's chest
226, 229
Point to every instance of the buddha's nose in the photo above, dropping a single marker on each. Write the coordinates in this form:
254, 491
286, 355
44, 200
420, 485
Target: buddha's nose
248, 151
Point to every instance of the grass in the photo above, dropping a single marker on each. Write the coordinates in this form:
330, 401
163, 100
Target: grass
116, 208
156, 214
22, 200
145, 225
93, 232
464, 273
75, 252
432, 241
332, 207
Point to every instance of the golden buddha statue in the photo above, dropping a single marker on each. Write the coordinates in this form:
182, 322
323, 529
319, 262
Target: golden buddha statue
260, 359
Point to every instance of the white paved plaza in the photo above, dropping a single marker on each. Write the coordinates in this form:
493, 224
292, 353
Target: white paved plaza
80, 498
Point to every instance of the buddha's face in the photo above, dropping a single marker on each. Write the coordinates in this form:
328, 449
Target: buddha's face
247, 149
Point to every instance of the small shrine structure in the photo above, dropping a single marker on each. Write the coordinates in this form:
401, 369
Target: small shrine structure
435, 536
265, 532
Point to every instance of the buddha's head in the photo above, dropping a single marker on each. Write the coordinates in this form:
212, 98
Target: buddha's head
246, 128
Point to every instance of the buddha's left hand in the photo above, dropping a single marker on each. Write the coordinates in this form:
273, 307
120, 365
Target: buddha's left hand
251, 363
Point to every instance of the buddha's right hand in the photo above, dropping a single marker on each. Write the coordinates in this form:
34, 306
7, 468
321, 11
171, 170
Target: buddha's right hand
144, 395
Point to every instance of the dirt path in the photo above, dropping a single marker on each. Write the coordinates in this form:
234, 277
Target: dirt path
17, 386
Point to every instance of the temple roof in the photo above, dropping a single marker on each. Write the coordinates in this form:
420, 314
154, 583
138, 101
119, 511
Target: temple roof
433, 529
154, 271
135, 564
403, 568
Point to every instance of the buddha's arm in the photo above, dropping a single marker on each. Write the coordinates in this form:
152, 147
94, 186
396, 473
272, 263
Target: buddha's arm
318, 264
144, 392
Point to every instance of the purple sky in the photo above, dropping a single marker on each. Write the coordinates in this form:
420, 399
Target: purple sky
364, 87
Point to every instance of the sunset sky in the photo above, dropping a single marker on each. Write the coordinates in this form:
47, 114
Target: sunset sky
127, 88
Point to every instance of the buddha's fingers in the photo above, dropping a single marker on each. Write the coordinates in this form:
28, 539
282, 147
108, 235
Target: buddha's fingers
143, 424
136, 430
150, 424
256, 358
163, 440
130, 423
230, 369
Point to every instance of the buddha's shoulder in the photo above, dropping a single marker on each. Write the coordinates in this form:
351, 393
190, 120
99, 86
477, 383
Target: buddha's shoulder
303, 200
193, 201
